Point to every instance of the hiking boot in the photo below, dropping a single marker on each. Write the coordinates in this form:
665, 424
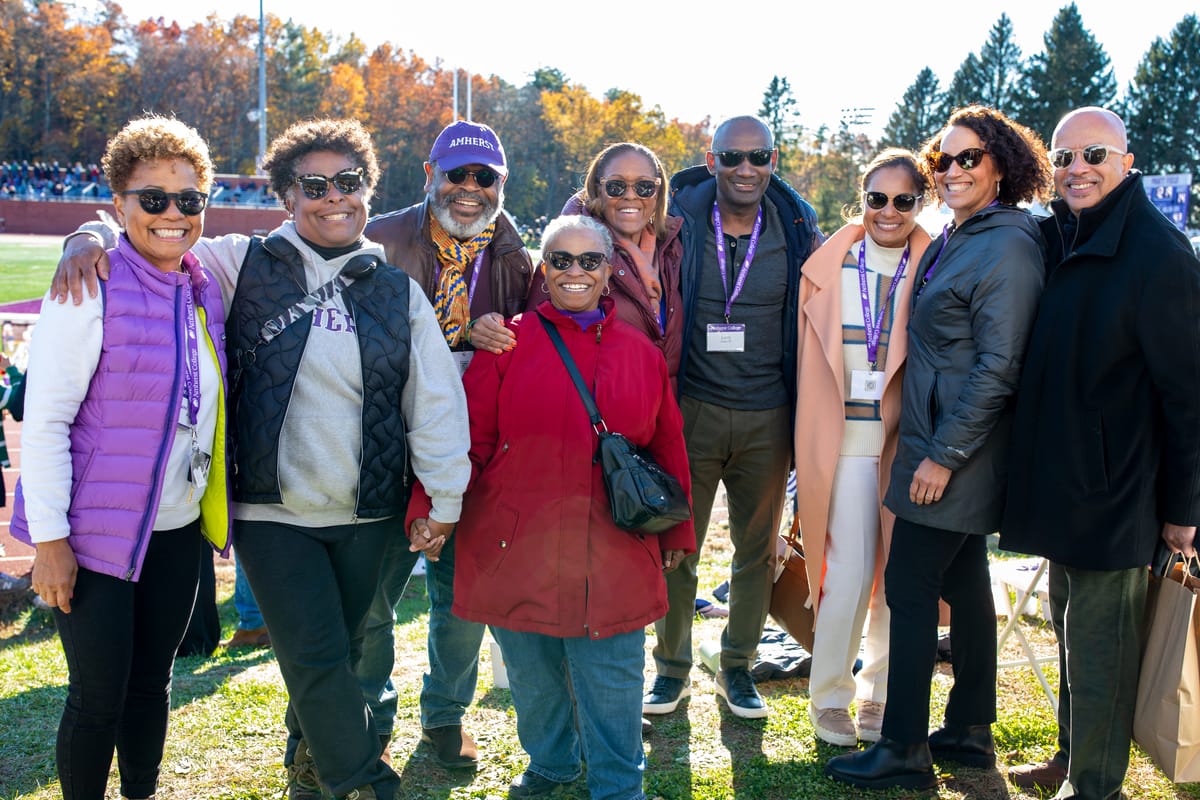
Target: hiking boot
248, 637
304, 782
833, 725
664, 696
870, 720
737, 687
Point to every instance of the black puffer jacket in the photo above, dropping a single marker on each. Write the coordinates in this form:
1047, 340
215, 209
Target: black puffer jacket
966, 339
271, 280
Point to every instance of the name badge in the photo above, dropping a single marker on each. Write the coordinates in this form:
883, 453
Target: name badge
866, 384
726, 337
462, 359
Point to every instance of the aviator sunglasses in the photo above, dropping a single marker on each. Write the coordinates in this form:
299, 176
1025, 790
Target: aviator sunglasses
967, 159
1094, 154
731, 158
615, 187
190, 202
901, 202
348, 181
483, 177
561, 260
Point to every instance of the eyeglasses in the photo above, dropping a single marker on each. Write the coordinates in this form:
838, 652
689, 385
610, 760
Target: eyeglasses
731, 158
967, 159
190, 202
561, 260
348, 181
615, 187
901, 202
1094, 154
483, 177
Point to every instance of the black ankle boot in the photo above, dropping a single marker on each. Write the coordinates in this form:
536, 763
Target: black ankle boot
970, 745
885, 764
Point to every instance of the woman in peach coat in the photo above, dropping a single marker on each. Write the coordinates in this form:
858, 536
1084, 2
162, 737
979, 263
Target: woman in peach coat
855, 295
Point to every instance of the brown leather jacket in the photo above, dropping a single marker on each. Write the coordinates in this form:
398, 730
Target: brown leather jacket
506, 265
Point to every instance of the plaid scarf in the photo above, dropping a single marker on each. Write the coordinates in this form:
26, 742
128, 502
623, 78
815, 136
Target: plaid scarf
451, 303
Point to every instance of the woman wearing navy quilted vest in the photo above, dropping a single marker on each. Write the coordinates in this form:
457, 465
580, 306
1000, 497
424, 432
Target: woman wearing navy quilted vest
123, 460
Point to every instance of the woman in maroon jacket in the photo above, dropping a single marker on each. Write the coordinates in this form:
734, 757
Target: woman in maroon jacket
567, 593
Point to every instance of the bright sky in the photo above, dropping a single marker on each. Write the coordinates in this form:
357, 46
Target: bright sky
708, 59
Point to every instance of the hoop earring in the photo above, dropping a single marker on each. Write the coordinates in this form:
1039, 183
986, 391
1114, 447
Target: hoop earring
607, 290
545, 289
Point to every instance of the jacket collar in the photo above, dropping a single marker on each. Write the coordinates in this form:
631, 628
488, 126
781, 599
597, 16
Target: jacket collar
1098, 229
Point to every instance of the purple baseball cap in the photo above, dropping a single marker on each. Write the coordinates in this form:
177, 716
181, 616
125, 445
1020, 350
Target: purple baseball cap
462, 143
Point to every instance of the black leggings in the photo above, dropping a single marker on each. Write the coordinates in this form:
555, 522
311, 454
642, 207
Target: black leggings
120, 640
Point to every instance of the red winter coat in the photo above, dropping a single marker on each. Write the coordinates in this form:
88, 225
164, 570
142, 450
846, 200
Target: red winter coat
537, 549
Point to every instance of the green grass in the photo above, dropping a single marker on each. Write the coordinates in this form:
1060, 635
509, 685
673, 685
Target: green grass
26, 266
226, 737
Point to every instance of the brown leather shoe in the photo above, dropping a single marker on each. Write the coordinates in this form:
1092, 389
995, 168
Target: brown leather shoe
248, 637
1047, 776
453, 747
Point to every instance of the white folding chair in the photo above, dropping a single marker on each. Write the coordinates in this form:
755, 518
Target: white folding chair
1027, 578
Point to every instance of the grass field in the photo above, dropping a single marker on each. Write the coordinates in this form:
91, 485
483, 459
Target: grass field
26, 264
226, 737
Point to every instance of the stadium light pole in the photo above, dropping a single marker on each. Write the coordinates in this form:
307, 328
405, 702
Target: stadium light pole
262, 90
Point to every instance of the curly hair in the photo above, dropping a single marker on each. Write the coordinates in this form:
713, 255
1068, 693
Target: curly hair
593, 199
155, 138
343, 136
889, 158
1019, 153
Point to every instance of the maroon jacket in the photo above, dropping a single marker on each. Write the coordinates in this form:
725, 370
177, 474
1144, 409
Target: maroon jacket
537, 549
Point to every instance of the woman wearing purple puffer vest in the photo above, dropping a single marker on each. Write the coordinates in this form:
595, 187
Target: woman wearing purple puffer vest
123, 461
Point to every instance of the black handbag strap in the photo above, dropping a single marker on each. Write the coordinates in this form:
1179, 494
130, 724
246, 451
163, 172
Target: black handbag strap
585, 394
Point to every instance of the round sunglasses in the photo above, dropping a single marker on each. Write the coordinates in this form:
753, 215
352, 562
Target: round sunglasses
484, 178
561, 260
1094, 154
901, 202
314, 186
616, 187
968, 159
190, 202
731, 158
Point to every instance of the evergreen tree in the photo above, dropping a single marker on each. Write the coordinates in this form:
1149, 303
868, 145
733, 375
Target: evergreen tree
1000, 67
1073, 71
917, 116
778, 110
1164, 106
966, 87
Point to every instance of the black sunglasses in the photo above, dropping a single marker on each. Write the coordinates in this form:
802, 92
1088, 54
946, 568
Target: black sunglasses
190, 202
1094, 154
901, 202
561, 260
483, 177
615, 187
348, 181
967, 159
731, 158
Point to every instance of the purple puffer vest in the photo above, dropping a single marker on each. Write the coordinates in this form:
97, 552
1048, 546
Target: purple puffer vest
124, 428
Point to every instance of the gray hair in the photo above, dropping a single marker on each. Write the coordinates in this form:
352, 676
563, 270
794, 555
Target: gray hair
576, 222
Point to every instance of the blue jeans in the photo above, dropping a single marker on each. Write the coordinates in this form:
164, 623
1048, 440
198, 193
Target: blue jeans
374, 668
454, 646
249, 617
580, 699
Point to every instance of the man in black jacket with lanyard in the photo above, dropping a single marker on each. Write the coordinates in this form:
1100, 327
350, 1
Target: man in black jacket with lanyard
745, 235
1105, 454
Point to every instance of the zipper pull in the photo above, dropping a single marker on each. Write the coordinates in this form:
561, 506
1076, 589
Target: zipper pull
599, 325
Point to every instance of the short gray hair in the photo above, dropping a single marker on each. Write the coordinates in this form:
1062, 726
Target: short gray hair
577, 222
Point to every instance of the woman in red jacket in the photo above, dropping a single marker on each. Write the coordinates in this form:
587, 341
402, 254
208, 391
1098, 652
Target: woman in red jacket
567, 593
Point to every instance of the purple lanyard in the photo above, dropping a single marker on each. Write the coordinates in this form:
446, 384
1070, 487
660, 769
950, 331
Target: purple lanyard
437, 276
191, 372
721, 258
873, 326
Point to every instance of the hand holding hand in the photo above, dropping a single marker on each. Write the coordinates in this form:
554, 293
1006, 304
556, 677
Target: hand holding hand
428, 536
671, 559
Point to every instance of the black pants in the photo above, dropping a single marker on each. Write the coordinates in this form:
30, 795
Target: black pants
204, 631
120, 640
314, 586
926, 564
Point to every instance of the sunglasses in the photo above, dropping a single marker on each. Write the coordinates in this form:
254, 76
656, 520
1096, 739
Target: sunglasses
615, 187
190, 202
731, 158
348, 181
1094, 154
967, 159
901, 202
561, 260
483, 177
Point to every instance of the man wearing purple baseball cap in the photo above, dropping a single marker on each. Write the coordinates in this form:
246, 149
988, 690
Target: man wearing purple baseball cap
465, 252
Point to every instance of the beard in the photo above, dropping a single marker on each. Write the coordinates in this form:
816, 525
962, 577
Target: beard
459, 230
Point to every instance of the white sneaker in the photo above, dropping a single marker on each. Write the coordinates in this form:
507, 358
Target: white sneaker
833, 725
